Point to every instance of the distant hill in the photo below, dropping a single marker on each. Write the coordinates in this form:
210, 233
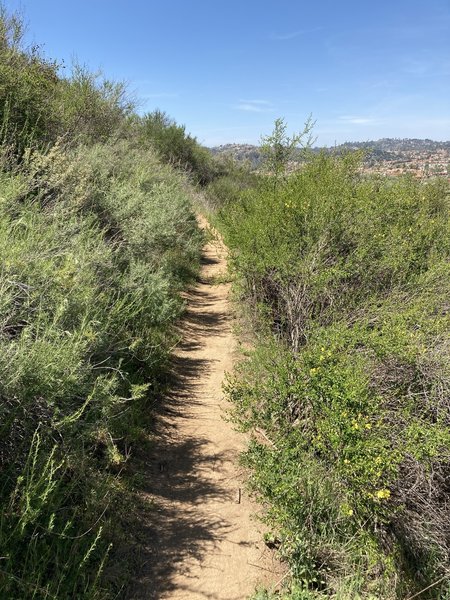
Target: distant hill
240, 152
390, 156
398, 145
383, 149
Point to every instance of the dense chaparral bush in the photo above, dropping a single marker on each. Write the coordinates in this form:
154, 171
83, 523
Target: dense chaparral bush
95, 244
97, 239
349, 381
38, 106
177, 147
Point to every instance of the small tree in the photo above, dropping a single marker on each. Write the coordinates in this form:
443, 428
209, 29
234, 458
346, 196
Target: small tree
278, 148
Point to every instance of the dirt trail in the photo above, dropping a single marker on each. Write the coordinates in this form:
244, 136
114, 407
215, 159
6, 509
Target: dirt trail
203, 541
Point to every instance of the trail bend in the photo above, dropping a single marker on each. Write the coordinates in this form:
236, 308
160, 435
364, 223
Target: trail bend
204, 542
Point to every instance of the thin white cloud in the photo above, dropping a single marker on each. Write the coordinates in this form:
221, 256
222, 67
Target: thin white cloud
355, 120
256, 106
417, 67
429, 66
259, 102
250, 108
281, 37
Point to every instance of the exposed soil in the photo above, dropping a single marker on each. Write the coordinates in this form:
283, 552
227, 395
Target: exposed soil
203, 539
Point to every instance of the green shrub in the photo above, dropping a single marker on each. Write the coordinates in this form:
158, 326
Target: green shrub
38, 106
231, 181
97, 238
177, 147
95, 244
27, 89
91, 108
344, 239
348, 401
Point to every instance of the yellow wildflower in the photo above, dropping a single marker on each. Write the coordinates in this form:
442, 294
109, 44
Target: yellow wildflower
383, 494
347, 509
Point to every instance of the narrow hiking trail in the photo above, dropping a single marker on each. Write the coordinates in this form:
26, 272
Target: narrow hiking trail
203, 540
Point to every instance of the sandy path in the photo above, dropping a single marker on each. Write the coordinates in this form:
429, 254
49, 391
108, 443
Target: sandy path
204, 542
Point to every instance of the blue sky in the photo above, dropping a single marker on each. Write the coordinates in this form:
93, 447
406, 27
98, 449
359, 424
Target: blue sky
226, 69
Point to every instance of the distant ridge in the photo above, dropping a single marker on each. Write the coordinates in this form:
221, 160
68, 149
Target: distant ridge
423, 157
383, 144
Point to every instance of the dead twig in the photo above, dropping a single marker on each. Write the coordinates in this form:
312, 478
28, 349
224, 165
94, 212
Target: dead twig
427, 588
264, 435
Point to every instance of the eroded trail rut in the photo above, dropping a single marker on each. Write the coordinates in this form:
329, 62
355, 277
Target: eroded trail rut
203, 541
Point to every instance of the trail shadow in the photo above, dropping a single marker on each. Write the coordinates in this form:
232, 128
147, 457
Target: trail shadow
172, 483
209, 260
200, 322
175, 529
